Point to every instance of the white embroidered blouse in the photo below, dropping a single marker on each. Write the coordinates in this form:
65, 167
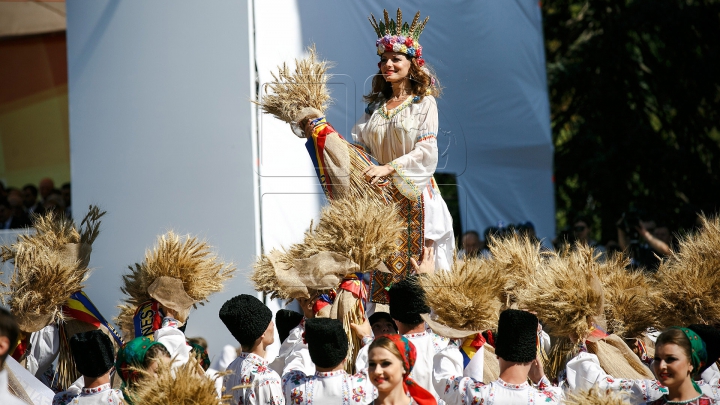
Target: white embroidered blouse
260, 384
406, 139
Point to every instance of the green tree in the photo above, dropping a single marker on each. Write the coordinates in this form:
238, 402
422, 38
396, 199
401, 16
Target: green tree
635, 99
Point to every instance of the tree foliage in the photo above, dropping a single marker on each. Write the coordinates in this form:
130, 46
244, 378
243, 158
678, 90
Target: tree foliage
635, 99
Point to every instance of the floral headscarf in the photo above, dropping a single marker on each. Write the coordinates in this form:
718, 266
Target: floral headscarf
408, 355
130, 357
698, 357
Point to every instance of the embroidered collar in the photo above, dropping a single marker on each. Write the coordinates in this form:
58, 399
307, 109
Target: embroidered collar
323, 374
96, 390
513, 386
254, 358
415, 335
387, 114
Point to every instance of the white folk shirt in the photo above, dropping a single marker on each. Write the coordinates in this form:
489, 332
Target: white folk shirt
331, 387
293, 344
584, 371
102, 395
455, 389
263, 383
427, 345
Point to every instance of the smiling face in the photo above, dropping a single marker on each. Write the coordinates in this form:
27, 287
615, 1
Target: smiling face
394, 66
385, 369
671, 365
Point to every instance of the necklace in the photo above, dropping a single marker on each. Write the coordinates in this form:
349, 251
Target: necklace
689, 401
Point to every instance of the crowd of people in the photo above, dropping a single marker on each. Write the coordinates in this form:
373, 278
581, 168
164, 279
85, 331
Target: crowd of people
505, 322
17, 206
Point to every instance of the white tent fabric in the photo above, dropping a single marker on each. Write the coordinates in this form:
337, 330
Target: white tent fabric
494, 113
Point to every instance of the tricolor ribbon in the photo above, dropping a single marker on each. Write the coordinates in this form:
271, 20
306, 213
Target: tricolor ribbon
470, 346
597, 332
316, 148
147, 319
80, 308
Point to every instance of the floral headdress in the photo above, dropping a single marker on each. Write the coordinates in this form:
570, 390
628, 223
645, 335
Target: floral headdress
394, 36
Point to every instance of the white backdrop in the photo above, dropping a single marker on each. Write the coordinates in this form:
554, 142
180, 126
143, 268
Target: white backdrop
161, 136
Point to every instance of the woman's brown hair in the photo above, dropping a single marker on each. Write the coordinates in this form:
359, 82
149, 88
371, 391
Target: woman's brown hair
421, 79
677, 337
387, 344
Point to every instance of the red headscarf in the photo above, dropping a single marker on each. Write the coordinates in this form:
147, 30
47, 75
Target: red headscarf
408, 355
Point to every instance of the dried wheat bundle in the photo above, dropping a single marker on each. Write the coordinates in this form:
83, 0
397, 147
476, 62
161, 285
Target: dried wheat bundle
518, 258
54, 232
565, 293
630, 298
467, 296
124, 321
42, 282
293, 90
363, 230
184, 385
594, 396
185, 258
689, 281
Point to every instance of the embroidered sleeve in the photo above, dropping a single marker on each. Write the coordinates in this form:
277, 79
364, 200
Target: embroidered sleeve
414, 170
584, 371
269, 390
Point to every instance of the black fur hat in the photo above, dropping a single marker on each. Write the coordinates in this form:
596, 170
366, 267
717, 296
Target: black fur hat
517, 338
326, 340
93, 352
285, 321
407, 301
246, 317
711, 336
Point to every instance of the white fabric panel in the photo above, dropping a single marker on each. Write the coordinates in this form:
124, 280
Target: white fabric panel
161, 136
494, 114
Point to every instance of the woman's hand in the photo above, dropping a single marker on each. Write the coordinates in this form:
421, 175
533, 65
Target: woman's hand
373, 174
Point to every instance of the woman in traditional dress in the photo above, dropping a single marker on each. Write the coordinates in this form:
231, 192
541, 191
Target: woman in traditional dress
400, 125
390, 360
680, 355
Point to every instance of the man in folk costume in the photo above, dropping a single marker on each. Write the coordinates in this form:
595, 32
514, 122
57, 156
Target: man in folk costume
516, 349
94, 356
252, 380
407, 305
327, 348
352, 237
293, 340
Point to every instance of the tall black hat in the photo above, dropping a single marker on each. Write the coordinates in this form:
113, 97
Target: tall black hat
246, 317
285, 321
407, 301
93, 352
326, 340
711, 336
517, 338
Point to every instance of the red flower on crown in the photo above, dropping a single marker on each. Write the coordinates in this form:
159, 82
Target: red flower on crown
408, 42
